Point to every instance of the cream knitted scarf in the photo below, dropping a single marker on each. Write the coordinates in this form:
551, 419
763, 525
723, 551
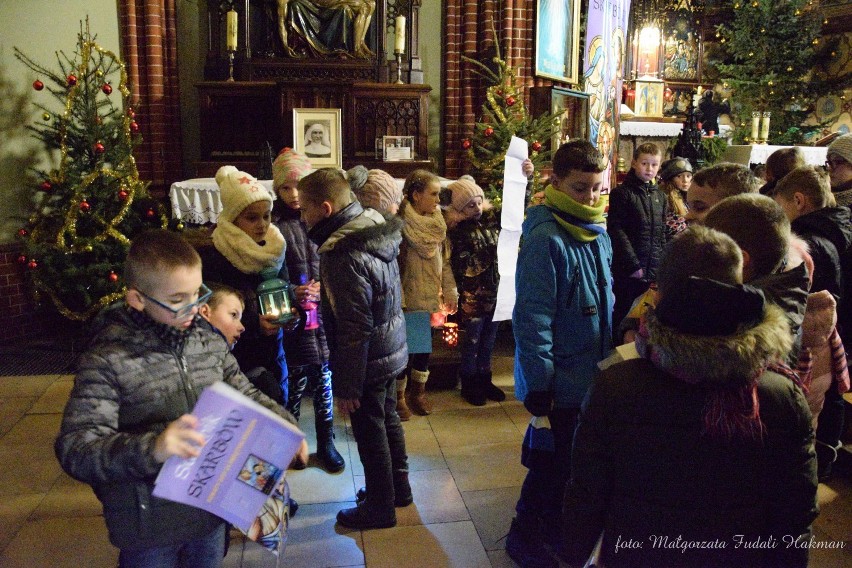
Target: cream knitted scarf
423, 233
241, 250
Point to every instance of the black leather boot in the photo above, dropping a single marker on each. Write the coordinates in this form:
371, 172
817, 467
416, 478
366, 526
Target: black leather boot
402, 496
471, 391
327, 454
489, 389
363, 516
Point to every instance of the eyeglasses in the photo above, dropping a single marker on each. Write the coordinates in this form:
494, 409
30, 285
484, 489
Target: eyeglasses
835, 163
204, 294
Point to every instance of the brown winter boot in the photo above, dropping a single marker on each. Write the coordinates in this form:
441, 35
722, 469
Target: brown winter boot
417, 400
401, 406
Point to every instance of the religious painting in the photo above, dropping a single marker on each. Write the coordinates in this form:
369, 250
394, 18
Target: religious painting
557, 39
317, 135
676, 98
681, 44
606, 25
572, 108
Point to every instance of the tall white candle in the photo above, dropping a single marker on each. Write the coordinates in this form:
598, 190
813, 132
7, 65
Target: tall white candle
231, 32
399, 44
755, 126
764, 126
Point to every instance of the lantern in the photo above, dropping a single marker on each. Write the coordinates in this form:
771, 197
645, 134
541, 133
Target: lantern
273, 295
451, 333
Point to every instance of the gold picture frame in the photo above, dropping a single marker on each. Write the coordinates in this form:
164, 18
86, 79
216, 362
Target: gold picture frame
317, 134
557, 40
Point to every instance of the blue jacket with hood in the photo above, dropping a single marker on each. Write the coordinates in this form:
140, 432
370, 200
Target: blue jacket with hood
563, 310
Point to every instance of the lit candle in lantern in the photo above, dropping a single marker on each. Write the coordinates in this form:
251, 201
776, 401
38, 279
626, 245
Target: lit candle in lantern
231, 31
399, 44
273, 296
755, 126
764, 126
451, 333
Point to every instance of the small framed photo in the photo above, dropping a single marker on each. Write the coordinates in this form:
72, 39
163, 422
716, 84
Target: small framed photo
317, 135
398, 148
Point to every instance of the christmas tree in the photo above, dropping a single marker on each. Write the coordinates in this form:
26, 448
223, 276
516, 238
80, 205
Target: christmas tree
775, 60
504, 115
88, 206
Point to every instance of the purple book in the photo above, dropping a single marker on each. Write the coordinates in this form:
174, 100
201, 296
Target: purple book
247, 452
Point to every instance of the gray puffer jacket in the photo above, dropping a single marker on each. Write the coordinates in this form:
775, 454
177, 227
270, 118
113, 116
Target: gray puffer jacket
361, 297
136, 377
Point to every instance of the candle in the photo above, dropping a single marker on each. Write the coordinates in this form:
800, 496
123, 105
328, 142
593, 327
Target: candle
231, 33
755, 126
399, 44
764, 126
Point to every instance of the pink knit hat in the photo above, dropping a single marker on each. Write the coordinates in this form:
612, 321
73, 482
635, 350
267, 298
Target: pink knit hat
238, 190
289, 167
463, 192
381, 191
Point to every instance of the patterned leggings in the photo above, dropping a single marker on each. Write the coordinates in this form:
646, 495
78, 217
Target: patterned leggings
318, 377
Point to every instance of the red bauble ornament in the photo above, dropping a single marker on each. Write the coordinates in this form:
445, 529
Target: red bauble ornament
123, 195
33, 264
113, 277
46, 186
500, 92
536, 146
131, 113
510, 100
23, 232
85, 207
134, 127
38, 85
488, 132
72, 80
22, 259
150, 213
107, 89
466, 143
99, 148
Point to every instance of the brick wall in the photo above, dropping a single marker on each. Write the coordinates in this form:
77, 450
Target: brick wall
16, 307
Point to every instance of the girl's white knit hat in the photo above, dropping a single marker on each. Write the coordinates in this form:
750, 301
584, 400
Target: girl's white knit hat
238, 190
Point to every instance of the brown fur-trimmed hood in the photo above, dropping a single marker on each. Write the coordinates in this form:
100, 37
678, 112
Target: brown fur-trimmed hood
718, 359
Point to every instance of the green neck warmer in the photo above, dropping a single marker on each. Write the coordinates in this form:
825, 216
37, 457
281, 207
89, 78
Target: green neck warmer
582, 222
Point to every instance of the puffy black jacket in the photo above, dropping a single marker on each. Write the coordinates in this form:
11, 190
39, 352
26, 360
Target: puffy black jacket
361, 297
642, 470
637, 225
473, 257
135, 378
306, 346
828, 232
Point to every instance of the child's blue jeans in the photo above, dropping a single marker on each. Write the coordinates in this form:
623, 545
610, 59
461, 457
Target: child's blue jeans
477, 345
204, 552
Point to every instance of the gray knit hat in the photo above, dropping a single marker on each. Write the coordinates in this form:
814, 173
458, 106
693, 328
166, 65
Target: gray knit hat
674, 167
842, 146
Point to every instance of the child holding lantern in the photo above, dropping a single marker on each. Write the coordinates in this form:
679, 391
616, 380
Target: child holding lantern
244, 243
428, 285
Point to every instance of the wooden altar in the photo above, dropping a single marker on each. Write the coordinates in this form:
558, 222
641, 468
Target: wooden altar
237, 118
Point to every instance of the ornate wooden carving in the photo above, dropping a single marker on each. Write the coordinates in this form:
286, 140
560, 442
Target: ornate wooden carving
238, 118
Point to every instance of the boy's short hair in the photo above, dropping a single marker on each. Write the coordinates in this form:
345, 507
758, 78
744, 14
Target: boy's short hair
417, 181
647, 148
808, 181
578, 155
782, 162
703, 252
727, 179
156, 251
758, 225
220, 291
327, 184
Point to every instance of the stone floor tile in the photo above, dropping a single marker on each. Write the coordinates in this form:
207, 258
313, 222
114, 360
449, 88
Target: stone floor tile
440, 545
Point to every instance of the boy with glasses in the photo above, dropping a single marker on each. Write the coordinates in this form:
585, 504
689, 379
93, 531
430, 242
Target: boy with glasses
129, 410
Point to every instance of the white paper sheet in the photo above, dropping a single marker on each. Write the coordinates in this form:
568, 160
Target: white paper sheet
514, 185
511, 220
